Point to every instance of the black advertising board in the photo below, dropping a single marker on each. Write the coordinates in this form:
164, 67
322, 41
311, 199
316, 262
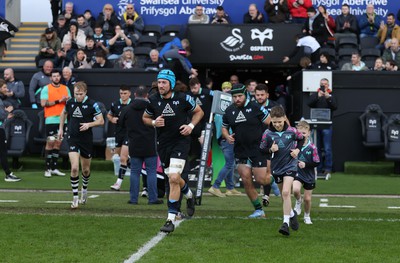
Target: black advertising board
241, 44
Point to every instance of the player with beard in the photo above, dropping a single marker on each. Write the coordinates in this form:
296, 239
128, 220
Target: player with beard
247, 119
169, 112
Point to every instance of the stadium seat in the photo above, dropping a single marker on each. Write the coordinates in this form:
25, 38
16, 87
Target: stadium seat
152, 30
330, 51
368, 42
370, 54
392, 141
147, 41
345, 54
164, 40
42, 138
17, 131
347, 42
142, 53
100, 132
372, 121
172, 30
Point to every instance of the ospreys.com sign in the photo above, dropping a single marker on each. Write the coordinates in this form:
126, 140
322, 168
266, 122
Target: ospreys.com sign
164, 12
264, 44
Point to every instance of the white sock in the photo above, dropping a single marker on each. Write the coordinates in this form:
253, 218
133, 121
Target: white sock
291, 213
306, 214
119, 181
171, 217
189, 194
286, 219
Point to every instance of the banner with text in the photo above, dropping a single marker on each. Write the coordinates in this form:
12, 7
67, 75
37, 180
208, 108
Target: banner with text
241, 44
166, 12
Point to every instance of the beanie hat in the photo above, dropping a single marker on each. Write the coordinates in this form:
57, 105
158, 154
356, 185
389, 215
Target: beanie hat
168, 75
226, 85
238, 88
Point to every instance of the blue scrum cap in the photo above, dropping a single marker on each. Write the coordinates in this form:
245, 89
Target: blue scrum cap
168, 75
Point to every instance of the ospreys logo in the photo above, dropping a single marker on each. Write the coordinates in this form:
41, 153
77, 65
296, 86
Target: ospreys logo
234, 42
77, 113
240, 117
168, 111
262, 35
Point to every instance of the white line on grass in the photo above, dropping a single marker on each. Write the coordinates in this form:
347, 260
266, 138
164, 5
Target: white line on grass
58, 202
394, 207
149, 245
9, 201
337, 206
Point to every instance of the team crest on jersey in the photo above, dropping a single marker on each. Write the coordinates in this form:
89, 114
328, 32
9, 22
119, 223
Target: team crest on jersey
248, 110
240, 117
168, 111
84, 106
77, 113
175, 102
198, 102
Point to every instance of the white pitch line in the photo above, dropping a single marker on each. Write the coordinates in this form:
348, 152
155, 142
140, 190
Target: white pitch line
337, 206
394, 207
9, 201
324, 200
149, 245
58, 202
93, 196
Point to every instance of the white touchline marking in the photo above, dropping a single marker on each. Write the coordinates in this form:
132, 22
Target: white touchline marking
337, 206
93, 196
149, 245
9, 201
394, 207
58, 202
324, 200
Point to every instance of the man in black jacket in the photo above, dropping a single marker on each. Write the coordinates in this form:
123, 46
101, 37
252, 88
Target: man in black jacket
142, 147
315, 26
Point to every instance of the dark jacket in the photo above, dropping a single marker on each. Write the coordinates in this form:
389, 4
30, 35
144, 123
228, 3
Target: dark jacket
142, 138
248, 20
322, 102
108, 25
319, 30
340, 20
277, 13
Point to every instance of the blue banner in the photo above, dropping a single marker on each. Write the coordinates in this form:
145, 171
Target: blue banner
164, 12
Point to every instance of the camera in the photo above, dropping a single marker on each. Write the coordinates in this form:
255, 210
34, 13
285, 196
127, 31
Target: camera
322, 88
219, 20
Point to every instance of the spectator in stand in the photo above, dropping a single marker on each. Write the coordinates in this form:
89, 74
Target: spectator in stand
89, 18
127, 60
379, 65
102, 61
330, 24
90, 51
68, 79
108, 20
315, 26
324, 62
388, 31
65, 55
298, 10
60, 27
154, 63
221, 17
346, 24
310, 45
391, 65
38, 81
209, 83
251, 85
277, 10
69, 12
132, 23
118, 42
48, 46
234, 79
199, 17
179, 50
369, 22
55, 10
84, 26
356, 64
100, 40
253, 16
75, 35
16, 89
79, 61
393, 53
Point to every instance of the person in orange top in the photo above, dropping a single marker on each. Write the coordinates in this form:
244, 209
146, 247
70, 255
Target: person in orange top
52, 99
